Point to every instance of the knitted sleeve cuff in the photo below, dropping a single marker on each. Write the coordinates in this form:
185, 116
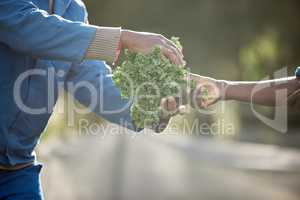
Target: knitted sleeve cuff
105, 44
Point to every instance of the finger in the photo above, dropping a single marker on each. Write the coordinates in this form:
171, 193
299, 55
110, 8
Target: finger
171, 104
178, 54
211, 102
168, 105
178, 50
179, 57
163, 103
164, 106
170, 42
205, 103
170, 55
202, 103
164, 114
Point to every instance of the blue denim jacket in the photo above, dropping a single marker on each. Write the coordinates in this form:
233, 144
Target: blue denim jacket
32, 39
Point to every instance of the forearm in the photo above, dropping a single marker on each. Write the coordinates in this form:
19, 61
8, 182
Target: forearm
263, 92
269, 92
90, 83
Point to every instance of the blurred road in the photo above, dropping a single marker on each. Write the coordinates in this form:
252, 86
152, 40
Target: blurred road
168, 167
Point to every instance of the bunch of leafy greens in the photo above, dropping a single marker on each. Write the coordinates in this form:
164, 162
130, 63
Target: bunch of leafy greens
147, 79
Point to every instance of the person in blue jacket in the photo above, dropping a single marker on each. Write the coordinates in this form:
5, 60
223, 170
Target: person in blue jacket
41, 39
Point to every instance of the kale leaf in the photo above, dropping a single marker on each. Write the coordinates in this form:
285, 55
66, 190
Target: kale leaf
146, 79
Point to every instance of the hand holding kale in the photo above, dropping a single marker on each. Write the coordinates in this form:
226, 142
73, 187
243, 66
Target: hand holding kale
147, 79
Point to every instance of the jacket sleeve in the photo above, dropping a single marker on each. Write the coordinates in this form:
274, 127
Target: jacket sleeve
27, 29
91, 85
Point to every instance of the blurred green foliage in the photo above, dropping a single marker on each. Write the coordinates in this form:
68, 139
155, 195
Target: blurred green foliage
260, 56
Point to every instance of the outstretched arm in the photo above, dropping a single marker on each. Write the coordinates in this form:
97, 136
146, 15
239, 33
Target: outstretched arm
26, 28
260, 92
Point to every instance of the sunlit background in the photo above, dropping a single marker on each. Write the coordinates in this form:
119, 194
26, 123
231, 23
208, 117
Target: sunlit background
224, 39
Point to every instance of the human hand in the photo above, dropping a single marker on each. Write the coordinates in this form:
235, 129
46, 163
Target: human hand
168, 108
208, 91
144, 42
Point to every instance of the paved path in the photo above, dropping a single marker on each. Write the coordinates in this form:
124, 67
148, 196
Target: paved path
168, 167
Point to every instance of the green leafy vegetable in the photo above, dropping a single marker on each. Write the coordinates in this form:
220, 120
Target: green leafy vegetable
147, 79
